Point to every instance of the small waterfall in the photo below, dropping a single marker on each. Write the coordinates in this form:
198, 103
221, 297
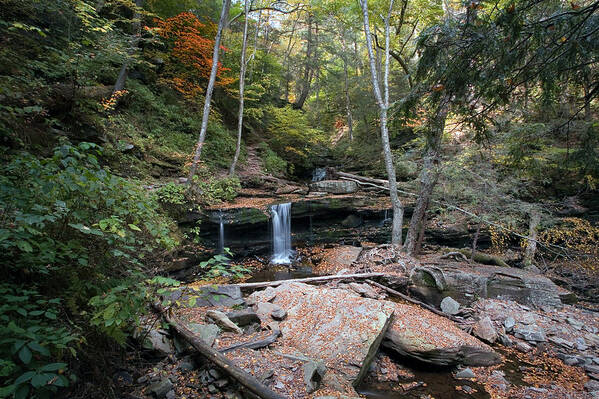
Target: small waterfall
281, 233
386, 219
319, 174
221, 234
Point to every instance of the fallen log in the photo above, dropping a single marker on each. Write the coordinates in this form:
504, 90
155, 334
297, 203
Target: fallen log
245, 379
412, 300
263, 284
364, 179
485, 259
257, 344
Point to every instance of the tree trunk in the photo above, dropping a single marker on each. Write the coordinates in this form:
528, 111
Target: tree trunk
241, 89
429, 174
475, 241
531, 244
224, 15
383, 103
308, 72
587, 100
124, 72
350, 121
253, 56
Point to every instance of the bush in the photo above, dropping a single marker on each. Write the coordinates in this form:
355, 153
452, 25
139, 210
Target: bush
272, 163
210, 190
70, 231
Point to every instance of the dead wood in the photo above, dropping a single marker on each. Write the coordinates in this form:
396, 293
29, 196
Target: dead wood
455, 255
256, 344
309, 280
245, 379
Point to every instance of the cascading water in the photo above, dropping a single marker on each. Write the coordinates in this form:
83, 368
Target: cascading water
281, 233
221, 234
319, 174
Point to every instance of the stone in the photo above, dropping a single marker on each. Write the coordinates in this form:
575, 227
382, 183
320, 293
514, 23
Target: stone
364, 290
465, 373
223, 382
223, 321
186, 364
422, 335
214, 373
243, 317
581, 345
212, 389
313, 375
171, 394
207, 332
592, 386
122, 378
523, 347
334, 326
450, 305
267, 311
334, 186
593, 339
464, 283
591, 368
571, 360
161, 388
574, 323
210, 295
531, 333
158, 342
485, 330
352, 221
504, 340
509, 323
265, 295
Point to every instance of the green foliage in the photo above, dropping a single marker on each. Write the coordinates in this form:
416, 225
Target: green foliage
213, 190
292, 138
72, 231
221, 266
33, 344
272, 163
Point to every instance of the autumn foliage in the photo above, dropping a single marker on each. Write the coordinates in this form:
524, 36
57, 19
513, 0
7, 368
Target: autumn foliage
192, 46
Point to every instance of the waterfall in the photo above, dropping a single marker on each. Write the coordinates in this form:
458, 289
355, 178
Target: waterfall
221, 234
281, 233
319, 174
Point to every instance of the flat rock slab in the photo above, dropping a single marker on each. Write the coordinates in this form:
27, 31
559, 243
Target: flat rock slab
335, 186
425, 336
335, 326
225, 296
338, 258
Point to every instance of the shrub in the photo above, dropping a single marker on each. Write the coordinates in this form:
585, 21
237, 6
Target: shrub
272, 163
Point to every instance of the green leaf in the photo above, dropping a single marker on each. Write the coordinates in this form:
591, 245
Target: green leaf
38, 348
25, 355
39, 380
22, 392
50, 315
24, 246
53, 367
24, 377
134, 227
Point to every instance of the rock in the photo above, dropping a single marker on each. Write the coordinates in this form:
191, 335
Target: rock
171, 394
334, 186
571, 360
591, 368
505, 340
243, 317
352, 221
450, 305
523, 347
212, 389
186, 364
509, 323
337, 327
592, 338
265, 295
465, 373
158, 342
530, 332
364, 290
207, 332
122, 378
420, 334
267, 311
313, 375
592, 386
219, 296
464, 283
161, 388
485, 330
581, 344
574, 323
223, 321
223, 382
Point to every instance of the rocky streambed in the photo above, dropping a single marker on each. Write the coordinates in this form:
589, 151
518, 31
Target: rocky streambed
495, 333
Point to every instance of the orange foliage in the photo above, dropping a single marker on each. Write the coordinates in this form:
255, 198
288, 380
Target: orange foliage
193, 45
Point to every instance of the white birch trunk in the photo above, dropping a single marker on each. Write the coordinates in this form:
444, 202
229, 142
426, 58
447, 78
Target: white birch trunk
224, 15
383, 103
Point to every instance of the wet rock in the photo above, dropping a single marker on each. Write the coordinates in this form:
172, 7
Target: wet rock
223, 321
207, 332
523, 347
450, 305
334, 186
420, 334
530, 333
484, 330
352, 221
243, 317
161, 388
465, 373
313, 375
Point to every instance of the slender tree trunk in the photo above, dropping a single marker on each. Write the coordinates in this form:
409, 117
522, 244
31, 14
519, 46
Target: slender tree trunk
531, 245
421, 232
124, 72
475, 241
587, 100
224, 15
253, 56
287, 59
350, 121
308, 71
383, 103
428, 175
241, 89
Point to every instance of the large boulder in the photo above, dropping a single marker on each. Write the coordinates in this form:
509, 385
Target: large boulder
420, 334
466, 282
220, 296
334, 186
335, 326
